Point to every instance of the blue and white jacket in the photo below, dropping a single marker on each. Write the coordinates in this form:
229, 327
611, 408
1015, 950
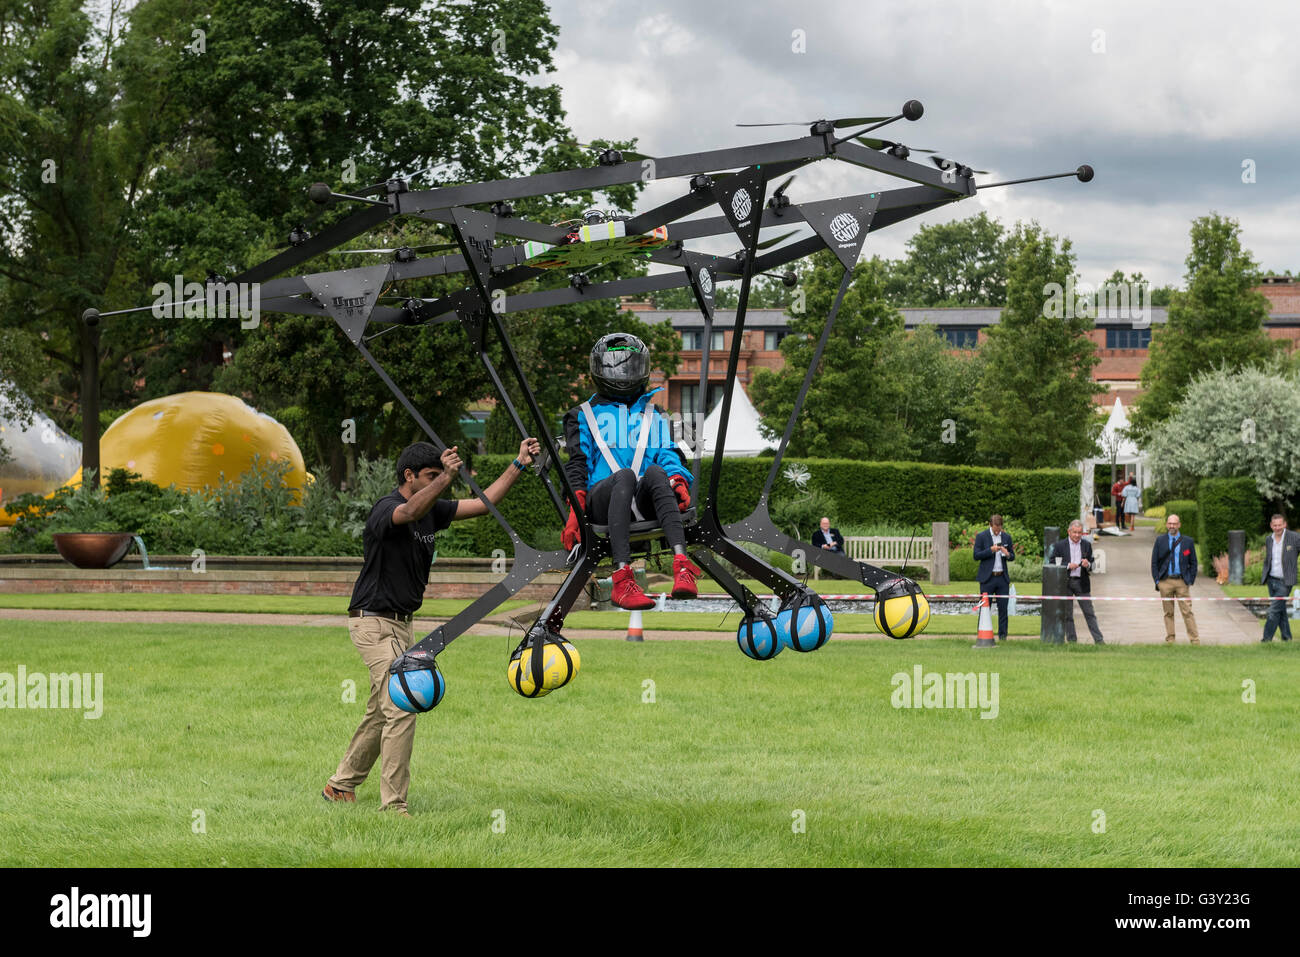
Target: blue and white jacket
619, 425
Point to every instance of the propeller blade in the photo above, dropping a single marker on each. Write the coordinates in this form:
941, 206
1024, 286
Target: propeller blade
778, 239
844, 122
780, 190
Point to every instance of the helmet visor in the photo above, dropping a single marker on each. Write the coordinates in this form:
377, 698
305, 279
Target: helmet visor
620, 366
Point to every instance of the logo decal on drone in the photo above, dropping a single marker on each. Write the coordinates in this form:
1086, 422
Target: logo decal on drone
706, 282
741, 205
844, 227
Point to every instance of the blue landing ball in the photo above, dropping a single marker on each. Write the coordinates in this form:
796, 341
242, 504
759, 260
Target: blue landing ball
759, 639
426, 690
810, 633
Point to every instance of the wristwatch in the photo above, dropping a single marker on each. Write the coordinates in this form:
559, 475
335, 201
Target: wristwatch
520, 465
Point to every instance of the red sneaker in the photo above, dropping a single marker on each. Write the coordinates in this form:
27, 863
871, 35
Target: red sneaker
626, 593
685, 572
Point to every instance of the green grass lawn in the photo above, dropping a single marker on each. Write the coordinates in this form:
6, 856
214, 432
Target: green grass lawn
243, 726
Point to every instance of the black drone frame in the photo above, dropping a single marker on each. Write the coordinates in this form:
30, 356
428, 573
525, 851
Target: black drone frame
350, 298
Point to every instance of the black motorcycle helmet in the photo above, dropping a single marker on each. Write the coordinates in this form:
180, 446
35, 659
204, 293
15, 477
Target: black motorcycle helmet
620, 366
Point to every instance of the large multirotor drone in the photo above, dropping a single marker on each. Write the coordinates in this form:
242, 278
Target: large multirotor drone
498, 250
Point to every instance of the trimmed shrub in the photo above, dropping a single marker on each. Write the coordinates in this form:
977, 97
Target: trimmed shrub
1225, 504
1189, 513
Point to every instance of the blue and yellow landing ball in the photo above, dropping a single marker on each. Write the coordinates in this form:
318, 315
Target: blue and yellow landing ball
806, 629
901, 610
759, 638
560, 663
414, 682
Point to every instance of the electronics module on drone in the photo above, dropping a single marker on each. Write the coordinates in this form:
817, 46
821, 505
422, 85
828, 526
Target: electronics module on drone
736, 180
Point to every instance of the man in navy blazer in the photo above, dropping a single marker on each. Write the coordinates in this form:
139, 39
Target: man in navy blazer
993, 549
1173, 568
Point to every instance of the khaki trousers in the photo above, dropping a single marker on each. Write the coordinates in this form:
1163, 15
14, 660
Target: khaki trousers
1171, 588
386, 731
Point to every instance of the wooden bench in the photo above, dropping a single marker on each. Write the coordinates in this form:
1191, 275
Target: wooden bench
888, 550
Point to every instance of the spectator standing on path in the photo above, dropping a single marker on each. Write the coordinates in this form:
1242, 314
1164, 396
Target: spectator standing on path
1280, 552
993, 549
828, 538
1075, 553
1117, 493
1132, 498
1173, 567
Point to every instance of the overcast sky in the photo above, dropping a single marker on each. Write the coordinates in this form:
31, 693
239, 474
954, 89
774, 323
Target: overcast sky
1182, 95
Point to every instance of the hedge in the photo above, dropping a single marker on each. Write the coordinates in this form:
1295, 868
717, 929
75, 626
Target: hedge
908, 493
1225, 503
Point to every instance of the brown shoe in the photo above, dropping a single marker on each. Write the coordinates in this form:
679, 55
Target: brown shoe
332, 793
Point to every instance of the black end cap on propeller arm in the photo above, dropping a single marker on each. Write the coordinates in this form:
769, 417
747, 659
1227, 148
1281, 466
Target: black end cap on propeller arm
90, 317
913, 110
1084, 173
319, 193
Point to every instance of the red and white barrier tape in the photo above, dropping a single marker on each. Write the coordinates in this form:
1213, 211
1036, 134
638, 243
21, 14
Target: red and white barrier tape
1020, 597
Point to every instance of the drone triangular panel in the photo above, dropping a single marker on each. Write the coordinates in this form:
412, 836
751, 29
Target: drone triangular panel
349, 295
843, 223
475, 232
741, 197
702, 280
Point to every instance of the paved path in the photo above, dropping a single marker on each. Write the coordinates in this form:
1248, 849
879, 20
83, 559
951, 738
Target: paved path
1128, 574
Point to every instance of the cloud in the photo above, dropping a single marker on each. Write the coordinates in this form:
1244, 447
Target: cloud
1165, 101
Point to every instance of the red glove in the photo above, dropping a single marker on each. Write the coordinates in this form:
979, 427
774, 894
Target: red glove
572, 534
683, 491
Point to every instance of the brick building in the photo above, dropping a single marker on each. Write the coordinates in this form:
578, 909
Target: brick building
1122, 339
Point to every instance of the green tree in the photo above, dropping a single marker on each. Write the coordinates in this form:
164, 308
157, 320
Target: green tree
929, 385
845, 414
1034, 403
1234, 423
961, 263
1217, 323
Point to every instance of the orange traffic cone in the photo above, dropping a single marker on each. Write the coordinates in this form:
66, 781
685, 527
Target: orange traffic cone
984, 634
634, 626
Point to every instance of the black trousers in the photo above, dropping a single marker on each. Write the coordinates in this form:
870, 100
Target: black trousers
1277, 617
610, 502
998, 585
1077, 587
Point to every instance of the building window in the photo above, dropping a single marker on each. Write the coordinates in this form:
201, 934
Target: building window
694, 339
960, 338
1128, 338
691, 397
772, 338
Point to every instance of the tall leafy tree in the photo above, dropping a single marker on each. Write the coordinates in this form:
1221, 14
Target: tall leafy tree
928, 385
1034, 404
961, 263
845, 413
1217, 323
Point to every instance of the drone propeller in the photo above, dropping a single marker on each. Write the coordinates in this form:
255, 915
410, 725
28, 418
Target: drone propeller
962, 170
889, 146
403, 253
767, 243
842, 123
778, 200
609, 155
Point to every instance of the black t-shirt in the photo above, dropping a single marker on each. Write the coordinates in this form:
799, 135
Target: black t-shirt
396, 562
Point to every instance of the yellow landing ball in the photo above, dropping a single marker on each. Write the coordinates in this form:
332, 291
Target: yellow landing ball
560, 663
896, 617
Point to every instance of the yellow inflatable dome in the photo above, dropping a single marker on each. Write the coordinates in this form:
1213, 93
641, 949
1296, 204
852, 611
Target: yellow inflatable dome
39, 459
197, 439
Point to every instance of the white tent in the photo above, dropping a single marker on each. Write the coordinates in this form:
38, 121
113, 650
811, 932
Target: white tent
744, 437
1115, 446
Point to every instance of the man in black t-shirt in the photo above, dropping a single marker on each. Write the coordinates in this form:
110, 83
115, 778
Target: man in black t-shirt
398, 548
